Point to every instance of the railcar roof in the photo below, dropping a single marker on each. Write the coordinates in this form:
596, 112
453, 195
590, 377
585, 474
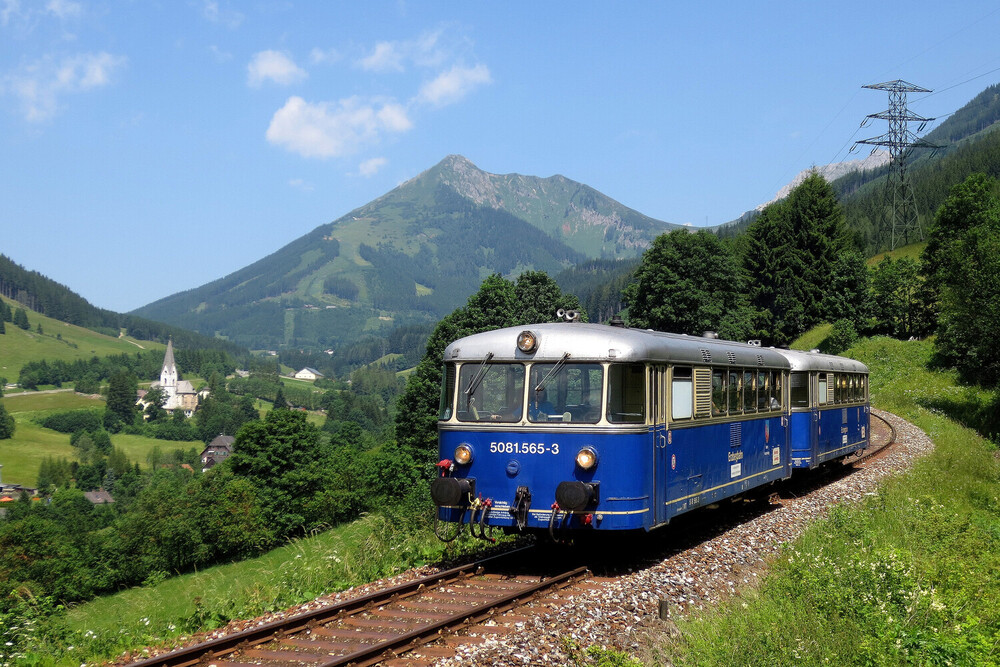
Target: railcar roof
817, 361
599, 342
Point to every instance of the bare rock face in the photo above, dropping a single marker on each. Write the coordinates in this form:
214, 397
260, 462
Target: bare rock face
832, 172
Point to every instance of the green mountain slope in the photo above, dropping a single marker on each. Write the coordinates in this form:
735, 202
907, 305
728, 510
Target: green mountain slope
410, 256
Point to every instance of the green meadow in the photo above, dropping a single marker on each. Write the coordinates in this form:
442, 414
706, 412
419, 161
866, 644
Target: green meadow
21, 456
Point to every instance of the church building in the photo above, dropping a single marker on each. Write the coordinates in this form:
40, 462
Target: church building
180, 394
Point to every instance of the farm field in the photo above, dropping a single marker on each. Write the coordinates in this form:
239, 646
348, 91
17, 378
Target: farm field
22, 456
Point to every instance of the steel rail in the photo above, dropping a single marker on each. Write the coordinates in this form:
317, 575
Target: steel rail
865, 454
220, 646
391, 648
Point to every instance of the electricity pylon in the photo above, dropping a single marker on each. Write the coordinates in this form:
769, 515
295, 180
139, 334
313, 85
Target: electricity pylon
898, 218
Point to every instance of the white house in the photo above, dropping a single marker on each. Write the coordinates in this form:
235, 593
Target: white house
308, 374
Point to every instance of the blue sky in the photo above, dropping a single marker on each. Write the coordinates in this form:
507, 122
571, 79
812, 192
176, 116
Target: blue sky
150, 147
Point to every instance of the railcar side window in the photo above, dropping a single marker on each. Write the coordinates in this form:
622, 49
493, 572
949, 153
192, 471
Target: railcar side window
447, 392
763, 389
490, 392
735, 388
822, 389
570, 393
681, 394
749, 391
627, 393
718, 393
776, 395
800, 390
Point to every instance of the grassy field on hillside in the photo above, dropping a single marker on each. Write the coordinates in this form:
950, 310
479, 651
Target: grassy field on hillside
58, 342
911, 577
911, 251
22, 455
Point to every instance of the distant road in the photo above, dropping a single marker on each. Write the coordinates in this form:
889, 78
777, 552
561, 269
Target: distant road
35, 393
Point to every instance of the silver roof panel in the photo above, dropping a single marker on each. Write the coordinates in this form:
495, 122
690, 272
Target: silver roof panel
600, 342
817, 361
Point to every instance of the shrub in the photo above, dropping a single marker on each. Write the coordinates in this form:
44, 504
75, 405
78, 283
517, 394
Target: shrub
72, 421
842, 336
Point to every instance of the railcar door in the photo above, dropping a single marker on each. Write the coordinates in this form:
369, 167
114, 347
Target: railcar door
658, 417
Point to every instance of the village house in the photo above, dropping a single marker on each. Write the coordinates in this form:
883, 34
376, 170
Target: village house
308, 374
217, 451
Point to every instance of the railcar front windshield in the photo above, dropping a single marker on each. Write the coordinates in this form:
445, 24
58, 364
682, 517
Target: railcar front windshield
490, 392
564, 392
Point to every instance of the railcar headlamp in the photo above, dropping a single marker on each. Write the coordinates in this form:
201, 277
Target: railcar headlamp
527, 341
586, 458
463, 454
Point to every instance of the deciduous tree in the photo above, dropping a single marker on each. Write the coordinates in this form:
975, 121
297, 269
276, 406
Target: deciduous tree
498, 303
686, 283
963, 264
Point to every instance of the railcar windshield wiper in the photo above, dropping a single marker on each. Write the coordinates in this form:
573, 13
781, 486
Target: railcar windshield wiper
555, 369
477, 379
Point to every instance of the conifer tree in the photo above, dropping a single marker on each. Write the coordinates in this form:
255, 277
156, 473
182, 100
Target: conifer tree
789, 258
7, 425
21, 319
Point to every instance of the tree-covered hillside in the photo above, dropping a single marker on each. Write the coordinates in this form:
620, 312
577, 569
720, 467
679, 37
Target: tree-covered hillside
58, 302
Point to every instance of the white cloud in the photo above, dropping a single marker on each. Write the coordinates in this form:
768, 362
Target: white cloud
64, 8
334, 129
424, 51
10, 8
39, 86
320, 56
370, 167
387, 57
273, 66
230, 18
299, 184
451, 86
220, 55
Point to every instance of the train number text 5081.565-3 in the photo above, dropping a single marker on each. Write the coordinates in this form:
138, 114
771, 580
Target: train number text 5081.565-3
523, 448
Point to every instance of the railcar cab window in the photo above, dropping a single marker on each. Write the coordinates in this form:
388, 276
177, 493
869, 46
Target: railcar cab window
490, 392
627, 393
565, 393
447, 392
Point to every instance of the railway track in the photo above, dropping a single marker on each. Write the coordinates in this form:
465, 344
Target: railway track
381, 626
886, 435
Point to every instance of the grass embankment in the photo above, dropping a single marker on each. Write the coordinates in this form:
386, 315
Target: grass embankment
375, 546
22, 455
910, 577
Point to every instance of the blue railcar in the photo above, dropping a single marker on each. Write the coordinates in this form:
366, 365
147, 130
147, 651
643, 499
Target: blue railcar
606, 428
829, 409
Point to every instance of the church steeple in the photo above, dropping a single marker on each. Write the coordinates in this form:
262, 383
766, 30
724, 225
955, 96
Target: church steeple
168, 374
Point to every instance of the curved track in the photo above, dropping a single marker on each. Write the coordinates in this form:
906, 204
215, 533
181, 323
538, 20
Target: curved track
383, 625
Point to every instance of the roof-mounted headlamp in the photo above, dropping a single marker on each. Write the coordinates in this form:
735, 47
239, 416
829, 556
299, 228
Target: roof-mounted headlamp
527, 342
